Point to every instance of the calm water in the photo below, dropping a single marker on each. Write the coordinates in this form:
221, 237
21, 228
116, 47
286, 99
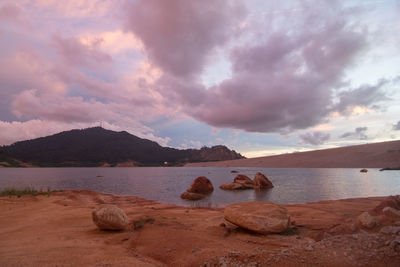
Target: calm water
292, 185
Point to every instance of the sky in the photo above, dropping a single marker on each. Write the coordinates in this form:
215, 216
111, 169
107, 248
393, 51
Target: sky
261, 77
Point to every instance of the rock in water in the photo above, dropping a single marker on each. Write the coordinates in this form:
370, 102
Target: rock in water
235, 186
199, 189
201, 185
243, 179
363, 170
110, 217
366, 220
261, 181
260, 217
192, 196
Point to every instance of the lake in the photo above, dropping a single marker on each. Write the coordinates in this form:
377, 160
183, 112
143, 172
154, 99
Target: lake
165, 184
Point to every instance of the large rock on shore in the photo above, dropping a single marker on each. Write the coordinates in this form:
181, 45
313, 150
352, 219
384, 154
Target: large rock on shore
200, 188
261, 181
259, 217
110, 217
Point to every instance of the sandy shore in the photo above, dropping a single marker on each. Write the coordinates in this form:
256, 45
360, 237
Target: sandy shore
375, 155
58, 231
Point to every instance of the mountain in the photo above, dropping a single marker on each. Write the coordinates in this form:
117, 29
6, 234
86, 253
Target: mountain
374, 155
100, 147
7, 161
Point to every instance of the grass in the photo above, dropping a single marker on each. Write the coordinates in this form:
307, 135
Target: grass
26, 191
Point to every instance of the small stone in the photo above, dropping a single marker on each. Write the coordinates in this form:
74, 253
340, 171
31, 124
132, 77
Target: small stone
309, 248
366, 220
390, 230
195, 250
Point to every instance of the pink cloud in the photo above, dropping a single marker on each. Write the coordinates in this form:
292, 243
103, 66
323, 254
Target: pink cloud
179, 35
11, 12
73, 52
283, 78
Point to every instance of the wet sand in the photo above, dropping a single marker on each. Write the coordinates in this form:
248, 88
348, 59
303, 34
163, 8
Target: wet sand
58, 231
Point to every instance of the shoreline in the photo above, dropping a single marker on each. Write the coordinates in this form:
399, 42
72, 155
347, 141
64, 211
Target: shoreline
58, 230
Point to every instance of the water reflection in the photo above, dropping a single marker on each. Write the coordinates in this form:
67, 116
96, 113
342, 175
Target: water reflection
292, 185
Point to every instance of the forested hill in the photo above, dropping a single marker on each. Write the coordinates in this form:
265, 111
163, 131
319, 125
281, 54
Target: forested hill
100, 147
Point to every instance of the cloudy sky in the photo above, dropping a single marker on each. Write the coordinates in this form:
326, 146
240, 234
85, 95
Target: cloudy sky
262, 77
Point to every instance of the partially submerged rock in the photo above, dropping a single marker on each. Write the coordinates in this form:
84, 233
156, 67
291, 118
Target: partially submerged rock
259, 217
363, 170
110, 217
201, 185
366, 220
192, 196
242, 182
243, 179
236, 186
200, 188
261, 181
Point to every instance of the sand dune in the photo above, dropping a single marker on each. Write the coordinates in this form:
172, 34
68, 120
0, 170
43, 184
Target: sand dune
376, 155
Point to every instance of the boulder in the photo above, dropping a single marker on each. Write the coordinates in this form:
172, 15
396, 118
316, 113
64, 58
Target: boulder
259, 217
201, 185
110, 217
192, 196
363, 170
391, 212
261, 181
236, 186
243, 179
200, 188
366, 220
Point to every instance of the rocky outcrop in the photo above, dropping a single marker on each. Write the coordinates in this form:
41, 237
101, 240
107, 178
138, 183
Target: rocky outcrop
242, 182
366, 220
259, 217
110, 217
261, 181
200, 188
215, 153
